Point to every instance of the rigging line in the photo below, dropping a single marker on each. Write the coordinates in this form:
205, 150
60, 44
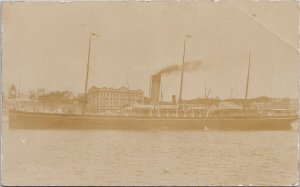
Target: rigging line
265, 27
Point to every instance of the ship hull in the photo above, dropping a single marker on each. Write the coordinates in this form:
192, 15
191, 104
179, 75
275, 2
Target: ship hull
31, 120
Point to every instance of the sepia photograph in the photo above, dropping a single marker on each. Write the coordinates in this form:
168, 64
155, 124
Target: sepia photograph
160, 93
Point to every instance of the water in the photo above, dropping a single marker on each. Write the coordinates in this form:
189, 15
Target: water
111, 157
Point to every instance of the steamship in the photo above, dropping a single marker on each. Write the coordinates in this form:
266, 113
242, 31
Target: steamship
175, 116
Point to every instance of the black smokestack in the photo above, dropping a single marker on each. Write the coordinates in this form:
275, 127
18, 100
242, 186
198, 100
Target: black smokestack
175, 68
155, 88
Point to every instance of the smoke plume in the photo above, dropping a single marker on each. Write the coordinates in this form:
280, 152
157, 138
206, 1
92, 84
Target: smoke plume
176, 68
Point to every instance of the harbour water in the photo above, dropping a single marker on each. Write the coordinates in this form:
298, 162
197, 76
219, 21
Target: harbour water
118, 157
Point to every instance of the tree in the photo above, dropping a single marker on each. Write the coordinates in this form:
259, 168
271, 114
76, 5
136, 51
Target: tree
12, 92
32, 94
56, 97
81, 98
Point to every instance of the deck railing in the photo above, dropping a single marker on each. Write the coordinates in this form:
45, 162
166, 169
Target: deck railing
67, 108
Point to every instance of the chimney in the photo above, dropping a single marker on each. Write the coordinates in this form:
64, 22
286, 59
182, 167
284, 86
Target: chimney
155, 88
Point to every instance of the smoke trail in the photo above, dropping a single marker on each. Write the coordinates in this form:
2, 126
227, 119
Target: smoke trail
176, 68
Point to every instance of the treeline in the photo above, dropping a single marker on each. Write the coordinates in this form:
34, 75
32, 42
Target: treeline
41, 95
54, 97
58, 97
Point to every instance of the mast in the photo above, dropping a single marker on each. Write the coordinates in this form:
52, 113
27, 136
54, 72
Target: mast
247, 84
87, 67
183, 58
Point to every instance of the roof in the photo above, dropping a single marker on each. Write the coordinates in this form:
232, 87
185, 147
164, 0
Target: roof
122, 89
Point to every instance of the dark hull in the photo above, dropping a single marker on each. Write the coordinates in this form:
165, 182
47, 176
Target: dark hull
31, 120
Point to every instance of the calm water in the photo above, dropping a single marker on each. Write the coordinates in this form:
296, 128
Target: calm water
103, 157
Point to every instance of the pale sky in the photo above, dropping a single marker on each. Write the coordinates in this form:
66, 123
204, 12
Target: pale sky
46, 45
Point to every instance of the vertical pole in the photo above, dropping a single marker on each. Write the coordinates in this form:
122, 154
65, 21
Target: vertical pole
87, 75
247, 84
87, 67
181, 79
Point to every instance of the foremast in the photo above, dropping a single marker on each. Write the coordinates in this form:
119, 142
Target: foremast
87, 71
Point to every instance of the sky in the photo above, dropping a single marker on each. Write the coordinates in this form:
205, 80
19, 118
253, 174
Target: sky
45, 45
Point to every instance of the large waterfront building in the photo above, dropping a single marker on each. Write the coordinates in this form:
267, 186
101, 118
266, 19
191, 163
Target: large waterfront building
113, 99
